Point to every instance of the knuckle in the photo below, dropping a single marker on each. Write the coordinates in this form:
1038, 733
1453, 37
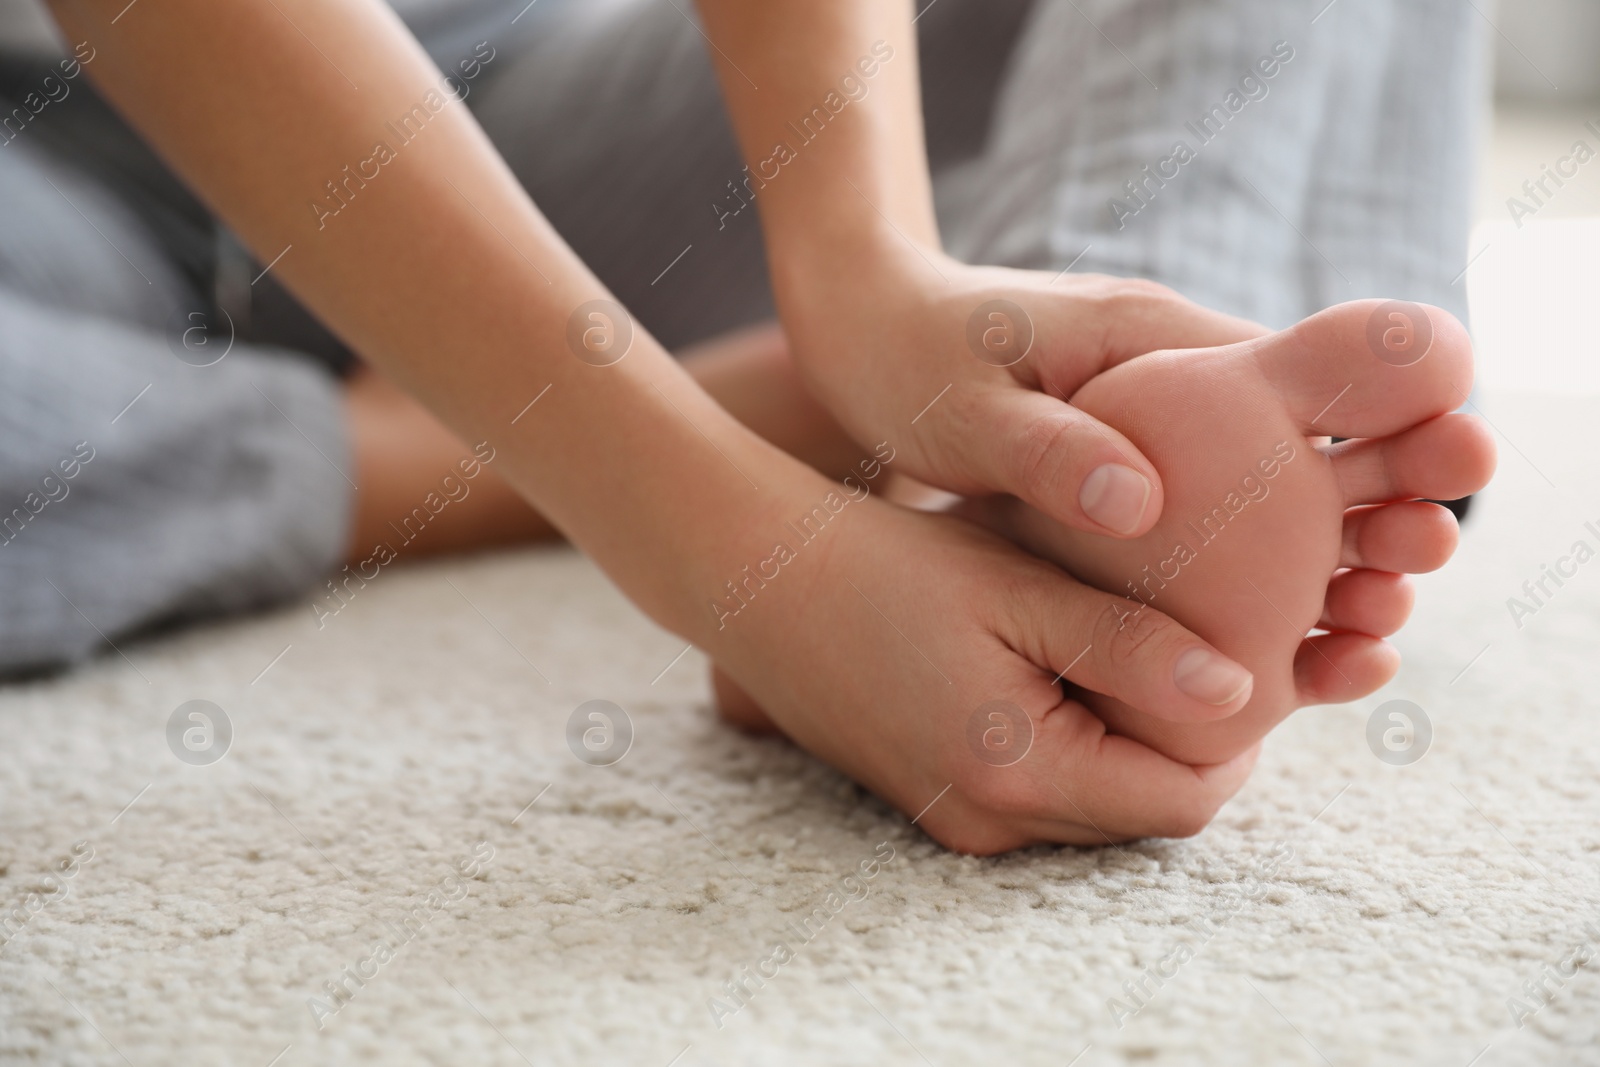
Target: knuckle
1124, 294
976, 838
1041, 450
998, 792
1187, 820
1113, 302
1029, 582
1128, 634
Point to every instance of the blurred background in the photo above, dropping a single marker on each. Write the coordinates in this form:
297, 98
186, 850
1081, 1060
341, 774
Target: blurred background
1535, 288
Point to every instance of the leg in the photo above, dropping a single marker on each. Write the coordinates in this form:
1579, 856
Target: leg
135, 487
196, 490
610, 116
652, 171
402, 450
1344, 173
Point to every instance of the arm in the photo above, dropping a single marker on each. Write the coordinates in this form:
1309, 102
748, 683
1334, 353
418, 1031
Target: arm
882, 321
442, 273
438, 269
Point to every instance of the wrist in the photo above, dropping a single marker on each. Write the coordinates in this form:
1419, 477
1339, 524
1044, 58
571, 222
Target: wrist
860, 262
864, 327
766, 567
725, 550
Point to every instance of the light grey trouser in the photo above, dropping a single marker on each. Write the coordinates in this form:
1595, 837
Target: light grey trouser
1345, 173
135, 487
1350, 175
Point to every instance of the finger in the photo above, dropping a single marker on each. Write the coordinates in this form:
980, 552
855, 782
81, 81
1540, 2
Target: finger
1130, 317
1370, 602
1117, 647
1064, 462
1121, 789
1336, 668
1443, 459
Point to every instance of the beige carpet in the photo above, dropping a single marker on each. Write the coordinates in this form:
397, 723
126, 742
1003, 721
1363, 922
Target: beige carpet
207, 905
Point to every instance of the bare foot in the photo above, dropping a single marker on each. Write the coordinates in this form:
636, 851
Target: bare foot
1268, 532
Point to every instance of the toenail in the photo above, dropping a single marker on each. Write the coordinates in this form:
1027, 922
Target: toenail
1115, 496
1210, 678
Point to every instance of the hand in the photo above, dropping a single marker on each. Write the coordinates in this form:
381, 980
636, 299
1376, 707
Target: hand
910, 661
906, 345
1271, 533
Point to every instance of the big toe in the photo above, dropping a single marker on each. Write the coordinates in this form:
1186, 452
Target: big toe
1369, 368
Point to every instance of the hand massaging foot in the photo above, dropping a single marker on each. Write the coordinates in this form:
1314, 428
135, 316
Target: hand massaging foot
1268, 531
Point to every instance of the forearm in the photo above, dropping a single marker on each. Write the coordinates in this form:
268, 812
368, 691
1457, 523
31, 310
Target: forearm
825, 101
401, 449
968, 363
437, 269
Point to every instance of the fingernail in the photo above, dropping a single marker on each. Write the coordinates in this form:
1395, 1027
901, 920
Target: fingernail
1115, 496
1210, 678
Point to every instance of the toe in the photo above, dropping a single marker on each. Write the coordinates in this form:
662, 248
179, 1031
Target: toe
1412, 537
1442, 459
1376, 603
1369, 368
1336, 668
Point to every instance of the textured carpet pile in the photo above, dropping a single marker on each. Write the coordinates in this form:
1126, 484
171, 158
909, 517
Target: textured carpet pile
400, 860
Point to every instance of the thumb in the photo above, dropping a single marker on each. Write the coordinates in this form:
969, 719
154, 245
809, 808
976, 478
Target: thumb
1064, 462
1149, 317
1125, 650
